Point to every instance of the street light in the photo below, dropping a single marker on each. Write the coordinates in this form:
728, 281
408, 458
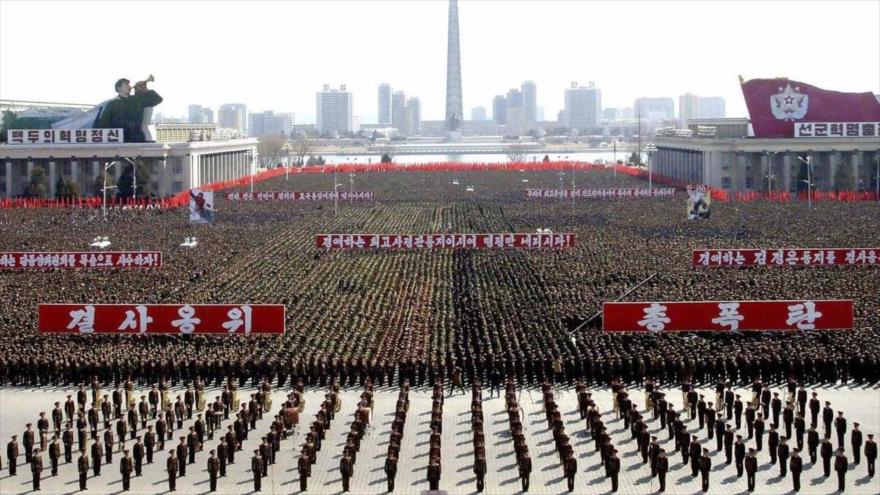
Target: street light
104, 189
769, 177
809, 181
351, 188
650, 149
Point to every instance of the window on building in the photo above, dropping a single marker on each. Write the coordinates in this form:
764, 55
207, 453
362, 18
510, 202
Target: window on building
726, 182
177, 186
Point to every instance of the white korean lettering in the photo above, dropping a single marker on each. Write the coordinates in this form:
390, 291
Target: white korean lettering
136, 320
84, 319
239, 317
655, 318
729, 316
187, 322
803, 315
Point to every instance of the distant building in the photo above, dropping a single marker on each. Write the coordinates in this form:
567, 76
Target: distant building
516, 121
530, 101
385, 103
688, 108
711, 107
627, 113
200, 115
176, 133
398, 112
233, 116
610, 114
414, 114
499, 110
540, 114
583, 107
333, 110
269, 123
478, 113
655, 109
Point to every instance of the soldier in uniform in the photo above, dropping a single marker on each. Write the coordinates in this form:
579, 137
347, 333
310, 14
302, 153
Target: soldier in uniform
662, 467
222, 457
705, 467
304, 466
739, 454
28, 442
138, 455
856, 442
109, 441
390, 470
826, 451
480, 471
54, 455
434, 473
172, 465
257, 469
613, 471
751, 468
67, 440
181, 457
126, 466
524, 463
797, 467
346, 469
783, 454
36, 468
841, 465
840, 428
150, 443
213, 470
570, 469
871, 454
773, 443
97, 454
83, 468
192, 445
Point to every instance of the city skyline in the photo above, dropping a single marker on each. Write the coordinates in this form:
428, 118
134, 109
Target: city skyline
491, 58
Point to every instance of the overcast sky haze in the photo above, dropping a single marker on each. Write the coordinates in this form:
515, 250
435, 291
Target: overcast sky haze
276, 55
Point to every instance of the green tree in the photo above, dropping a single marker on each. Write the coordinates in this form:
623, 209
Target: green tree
386, 157
66, 188
127, 178
8, 123
38, 186
843, 178
271, 148
634, 159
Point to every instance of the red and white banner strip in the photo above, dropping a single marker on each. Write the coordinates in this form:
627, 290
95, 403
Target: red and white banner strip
180, 319
786, 257
437, 241
726, 316
80, 259
640, 192
297, 196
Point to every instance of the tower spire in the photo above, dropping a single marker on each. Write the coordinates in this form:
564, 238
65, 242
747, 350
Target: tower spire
454, 110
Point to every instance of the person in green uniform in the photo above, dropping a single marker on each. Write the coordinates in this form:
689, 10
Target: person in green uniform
127, 111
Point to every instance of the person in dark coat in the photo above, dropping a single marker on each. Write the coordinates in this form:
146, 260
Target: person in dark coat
751, 469
126, 466
54, 455
36, 468
783, 454
28, 441
613, 471
797, 467
181, 457
826, 451
213, 469
304, 466
67, 440
257, 469
346, 470
695, 456
662, 467
856, 442
222, 456
138, 452
390, 471
871, 454
83, 468
480, 471
172, 465
97, 455
12, 454
841, 465
739, 455
840, 428
705, 467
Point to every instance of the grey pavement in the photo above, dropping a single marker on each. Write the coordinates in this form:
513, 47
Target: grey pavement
860, 404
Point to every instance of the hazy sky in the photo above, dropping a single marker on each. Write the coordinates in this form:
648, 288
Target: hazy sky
275, 55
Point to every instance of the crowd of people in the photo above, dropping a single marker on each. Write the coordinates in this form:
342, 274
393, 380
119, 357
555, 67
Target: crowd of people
422, 315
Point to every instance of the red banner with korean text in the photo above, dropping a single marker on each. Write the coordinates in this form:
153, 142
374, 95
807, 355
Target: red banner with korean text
438, 241
179, 319
613, 192
726, 316
786, 257
80, 259
297, 196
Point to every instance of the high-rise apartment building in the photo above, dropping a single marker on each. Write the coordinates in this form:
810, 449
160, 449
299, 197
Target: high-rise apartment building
711, 107
655, 109
478, 114
385, 103
530, 101
233, 116
499, 110
414, 114
398, 112
688, 108
334, 110
583, 107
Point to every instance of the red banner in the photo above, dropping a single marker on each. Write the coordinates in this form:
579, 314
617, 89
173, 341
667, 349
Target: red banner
296, 196
437, 241
726, 316
636, 192
80, 259
786, 257
777, 106
181, 319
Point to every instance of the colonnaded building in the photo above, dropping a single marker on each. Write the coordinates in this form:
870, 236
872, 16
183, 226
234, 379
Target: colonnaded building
790, 123
183, 156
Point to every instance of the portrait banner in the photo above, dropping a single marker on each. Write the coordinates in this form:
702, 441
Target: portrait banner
699, 201
786, 257
80, 259
201, 206
727, 316
176, 319
443, 241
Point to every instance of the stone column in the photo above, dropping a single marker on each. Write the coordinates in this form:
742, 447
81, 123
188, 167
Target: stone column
834, 160
786, 172
52, 178
854, 162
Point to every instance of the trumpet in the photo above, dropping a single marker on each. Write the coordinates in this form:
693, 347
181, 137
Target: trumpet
141, 86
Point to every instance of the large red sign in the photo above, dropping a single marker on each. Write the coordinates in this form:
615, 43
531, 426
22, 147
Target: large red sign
726, 316
629, 192
181, 319
786, 257
438, 241
297, 196
777, 105
81, 259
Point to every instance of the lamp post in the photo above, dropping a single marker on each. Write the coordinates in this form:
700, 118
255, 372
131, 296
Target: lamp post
809, 181
351, 188
335, 190
769, 177
104, 189
134, 181
650, 149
